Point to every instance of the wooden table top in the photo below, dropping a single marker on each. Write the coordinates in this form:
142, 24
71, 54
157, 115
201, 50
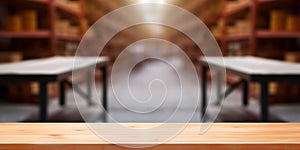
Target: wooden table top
220, 135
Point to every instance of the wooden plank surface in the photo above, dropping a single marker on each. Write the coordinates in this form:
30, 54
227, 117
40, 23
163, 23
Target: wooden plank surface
219, 136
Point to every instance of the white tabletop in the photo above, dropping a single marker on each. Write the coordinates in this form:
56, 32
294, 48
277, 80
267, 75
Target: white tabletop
49, 66
255, 65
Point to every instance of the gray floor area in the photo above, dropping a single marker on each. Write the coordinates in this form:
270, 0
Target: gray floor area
151, 107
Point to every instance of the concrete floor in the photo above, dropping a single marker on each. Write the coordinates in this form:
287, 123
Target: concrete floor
157, 110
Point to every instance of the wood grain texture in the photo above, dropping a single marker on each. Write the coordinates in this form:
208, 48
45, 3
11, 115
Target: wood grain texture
219, 136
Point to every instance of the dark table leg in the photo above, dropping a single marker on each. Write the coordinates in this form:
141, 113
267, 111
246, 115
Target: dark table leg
219, 87
62, 93
43, 95
264, 95
89, 87
104, 87
245, 92
203, 87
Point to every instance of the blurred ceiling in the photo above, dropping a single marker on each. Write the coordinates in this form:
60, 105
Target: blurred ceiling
207, 10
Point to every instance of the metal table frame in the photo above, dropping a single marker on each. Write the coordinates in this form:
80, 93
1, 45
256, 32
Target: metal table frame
44, 79
262, 79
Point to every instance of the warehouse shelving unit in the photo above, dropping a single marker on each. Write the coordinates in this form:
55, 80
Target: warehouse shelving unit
53, 8
254, 10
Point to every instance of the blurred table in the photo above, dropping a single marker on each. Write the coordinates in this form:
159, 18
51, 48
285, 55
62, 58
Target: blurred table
249, 69
54, 69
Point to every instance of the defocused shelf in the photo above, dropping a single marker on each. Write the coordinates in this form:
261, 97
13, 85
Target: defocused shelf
25, 34
264, 34
237, 9
64, 37
281, 34
67, 9
265, 1
39, 1
237, 37
255, 17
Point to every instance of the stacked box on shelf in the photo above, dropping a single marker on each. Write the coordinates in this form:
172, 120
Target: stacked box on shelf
8, 56
281, 20
24, 20
65, 27
292, 57
241, 26
217, 30
29, 20
211, 10
293, 23
13, 23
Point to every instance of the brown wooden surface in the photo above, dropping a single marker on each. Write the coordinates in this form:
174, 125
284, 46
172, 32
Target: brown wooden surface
219, 136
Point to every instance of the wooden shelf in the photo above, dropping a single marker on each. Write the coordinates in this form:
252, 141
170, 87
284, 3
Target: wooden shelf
25, 34
281, 34
263, 34
75, 38
39, 1
65, 8
241, 7
265, 1
237, 37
